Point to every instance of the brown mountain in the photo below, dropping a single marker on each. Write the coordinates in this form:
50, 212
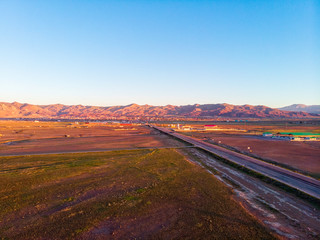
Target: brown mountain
303, 108
19, 110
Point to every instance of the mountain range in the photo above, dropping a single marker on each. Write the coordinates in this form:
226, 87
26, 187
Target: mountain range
302, 108
20, 110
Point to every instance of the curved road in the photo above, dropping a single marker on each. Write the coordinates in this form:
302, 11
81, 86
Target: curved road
298, 181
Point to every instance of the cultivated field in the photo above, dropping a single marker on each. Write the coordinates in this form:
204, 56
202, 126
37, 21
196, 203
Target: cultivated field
26, 137
117, 195
304, 156
115, 181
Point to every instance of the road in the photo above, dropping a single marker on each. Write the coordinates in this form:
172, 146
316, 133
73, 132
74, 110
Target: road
295, 180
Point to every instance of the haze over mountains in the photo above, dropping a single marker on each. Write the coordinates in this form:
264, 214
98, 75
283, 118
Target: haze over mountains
19, 110
302, 108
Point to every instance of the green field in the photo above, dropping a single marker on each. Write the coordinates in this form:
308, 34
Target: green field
119, 195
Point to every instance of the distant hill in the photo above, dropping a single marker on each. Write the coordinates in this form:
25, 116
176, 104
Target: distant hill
20, 110
302, 108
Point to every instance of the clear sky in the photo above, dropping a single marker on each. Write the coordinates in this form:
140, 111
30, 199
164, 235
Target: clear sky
160, 52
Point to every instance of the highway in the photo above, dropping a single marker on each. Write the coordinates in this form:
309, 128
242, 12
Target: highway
295, 180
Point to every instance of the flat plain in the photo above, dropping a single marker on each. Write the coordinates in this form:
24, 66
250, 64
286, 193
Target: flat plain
69, 180
28, 137
115, 195
146, 192
247, 138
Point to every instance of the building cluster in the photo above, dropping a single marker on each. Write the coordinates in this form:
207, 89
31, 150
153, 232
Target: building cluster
293, 136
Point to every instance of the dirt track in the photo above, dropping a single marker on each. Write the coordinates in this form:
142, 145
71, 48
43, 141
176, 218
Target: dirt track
301, 155
289, 216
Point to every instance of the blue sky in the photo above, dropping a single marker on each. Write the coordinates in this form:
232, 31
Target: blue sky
160, 52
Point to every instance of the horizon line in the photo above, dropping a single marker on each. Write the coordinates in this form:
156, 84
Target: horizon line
157, 105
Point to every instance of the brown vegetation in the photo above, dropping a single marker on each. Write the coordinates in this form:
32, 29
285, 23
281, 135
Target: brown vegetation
26, 137
148, 194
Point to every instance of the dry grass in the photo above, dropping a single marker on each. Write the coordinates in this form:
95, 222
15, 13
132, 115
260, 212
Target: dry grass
26, 137
122, 194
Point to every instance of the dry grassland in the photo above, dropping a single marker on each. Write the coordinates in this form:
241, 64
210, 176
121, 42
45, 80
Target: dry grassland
26, 137
149, 194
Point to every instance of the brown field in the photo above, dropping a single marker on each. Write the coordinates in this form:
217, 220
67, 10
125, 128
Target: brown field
26, 137
303, 156
142, 193
127, 194
257, 128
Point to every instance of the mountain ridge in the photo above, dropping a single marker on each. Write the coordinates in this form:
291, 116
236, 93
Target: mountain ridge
25, 110
302, 107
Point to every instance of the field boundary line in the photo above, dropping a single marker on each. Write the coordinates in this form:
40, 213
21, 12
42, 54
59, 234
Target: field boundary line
93, 151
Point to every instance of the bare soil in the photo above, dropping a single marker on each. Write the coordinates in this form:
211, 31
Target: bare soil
284, 213
247, 138
301, 155
18, 137
137, 194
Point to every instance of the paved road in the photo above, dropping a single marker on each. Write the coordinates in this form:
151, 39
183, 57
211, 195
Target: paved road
295, 180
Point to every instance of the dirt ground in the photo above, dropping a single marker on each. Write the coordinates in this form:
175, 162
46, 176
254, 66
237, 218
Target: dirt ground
247, 137
127, 194
257, 127
289, 216
25, 137
74, 190
285, 126
301, 155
